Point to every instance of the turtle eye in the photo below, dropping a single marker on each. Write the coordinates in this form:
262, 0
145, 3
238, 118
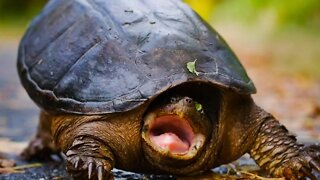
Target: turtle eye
173, 100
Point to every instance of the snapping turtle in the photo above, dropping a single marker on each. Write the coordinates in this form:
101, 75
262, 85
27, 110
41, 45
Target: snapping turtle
112, 82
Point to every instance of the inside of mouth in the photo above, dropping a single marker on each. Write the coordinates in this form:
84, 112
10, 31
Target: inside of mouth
171, 133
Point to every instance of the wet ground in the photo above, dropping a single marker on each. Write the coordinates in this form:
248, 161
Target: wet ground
18, 116
18, 113
56, 171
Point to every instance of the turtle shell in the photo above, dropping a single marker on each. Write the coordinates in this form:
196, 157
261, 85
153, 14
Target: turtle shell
105, 56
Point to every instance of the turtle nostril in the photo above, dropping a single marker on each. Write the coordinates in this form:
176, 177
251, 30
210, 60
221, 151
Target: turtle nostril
188, 100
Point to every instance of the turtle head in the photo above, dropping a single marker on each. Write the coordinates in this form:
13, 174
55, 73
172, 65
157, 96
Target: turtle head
175, 131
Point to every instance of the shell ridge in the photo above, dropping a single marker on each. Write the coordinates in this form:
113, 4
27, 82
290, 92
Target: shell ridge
76, 62
228, 77
142, 95
123, 95
33, 65
137, 89
224, 75
33, 83
130, 92
215, 72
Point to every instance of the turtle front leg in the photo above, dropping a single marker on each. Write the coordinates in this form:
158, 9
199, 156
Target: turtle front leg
89, 158
278, 152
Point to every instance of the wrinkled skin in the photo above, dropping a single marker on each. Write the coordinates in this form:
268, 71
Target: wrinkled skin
143, 140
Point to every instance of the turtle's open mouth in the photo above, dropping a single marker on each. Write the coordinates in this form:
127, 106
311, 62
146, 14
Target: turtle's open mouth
171, 133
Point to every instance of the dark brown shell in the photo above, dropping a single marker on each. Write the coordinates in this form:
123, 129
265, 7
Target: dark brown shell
105, 56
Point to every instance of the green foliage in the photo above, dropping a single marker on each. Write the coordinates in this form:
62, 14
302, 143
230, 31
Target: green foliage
203, 7
20, 7
280, 12
19, 12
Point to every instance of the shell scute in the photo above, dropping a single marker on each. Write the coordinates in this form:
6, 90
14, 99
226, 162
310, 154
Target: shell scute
95, 57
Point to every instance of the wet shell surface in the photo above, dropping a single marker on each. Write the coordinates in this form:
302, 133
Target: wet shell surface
105, 56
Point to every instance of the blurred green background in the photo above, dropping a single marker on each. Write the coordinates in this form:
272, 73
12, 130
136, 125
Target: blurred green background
15, 15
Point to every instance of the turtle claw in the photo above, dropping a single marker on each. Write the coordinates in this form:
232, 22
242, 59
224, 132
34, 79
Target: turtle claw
81, 166
76, 164
90, 168
100, 173
303, 165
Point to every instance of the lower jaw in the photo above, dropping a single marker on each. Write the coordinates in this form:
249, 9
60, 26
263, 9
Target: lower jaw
192, 151
162, 157
203, 160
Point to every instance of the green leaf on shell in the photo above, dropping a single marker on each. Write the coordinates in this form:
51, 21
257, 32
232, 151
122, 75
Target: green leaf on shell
191, 66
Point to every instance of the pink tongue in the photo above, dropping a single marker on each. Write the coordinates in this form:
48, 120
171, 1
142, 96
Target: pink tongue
171, 142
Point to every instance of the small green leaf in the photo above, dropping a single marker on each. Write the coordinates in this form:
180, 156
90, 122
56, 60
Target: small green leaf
191, 66
199, 107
